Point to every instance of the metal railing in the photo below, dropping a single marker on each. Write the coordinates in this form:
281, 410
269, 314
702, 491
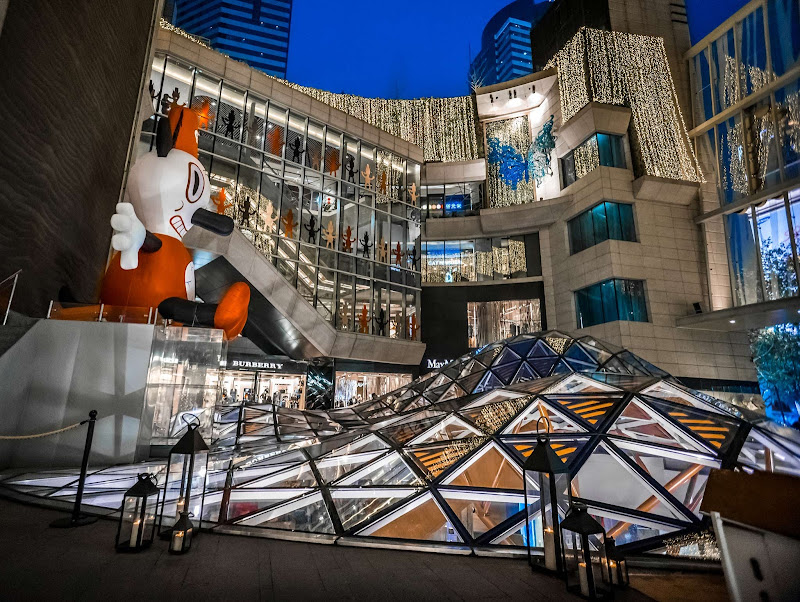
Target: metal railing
8, 284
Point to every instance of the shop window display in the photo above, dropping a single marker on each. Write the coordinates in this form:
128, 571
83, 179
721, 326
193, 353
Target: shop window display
489, 321
357, 387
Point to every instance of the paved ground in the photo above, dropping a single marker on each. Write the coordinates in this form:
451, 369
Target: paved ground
38, 563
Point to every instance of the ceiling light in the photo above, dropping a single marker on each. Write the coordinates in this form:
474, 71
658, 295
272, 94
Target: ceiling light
732, 321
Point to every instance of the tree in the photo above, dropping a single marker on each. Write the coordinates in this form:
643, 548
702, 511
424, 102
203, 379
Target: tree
776, 355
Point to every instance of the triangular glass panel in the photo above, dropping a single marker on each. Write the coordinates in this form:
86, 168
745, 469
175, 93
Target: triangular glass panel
564, 448
471, 367
627, 529
438, 382
304, 514
435, 395
453, 370
675, 394
578, 354
360, 445
487, 356
523, 347
606, 478
334, 468
506, 371
354, 506
405, 432
554, 420
248, 501
562, 368
452, 392
540, 349
435, 459
297, 476
489, 467
558, 342
616, 366
389, 470
714, 430
579, 383
680, 474
470, 383
525, 373
420, 519
449, 429
506, 356
640, 423
599, 354
480, 512
591, 408
518, 536
633, 363
489, 382
543, 365
492, 417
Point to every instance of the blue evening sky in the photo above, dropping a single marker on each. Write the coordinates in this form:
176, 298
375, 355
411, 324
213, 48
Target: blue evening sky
410, 48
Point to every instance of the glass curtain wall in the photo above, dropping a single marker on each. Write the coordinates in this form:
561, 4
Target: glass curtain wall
610, 300
475, 260
336, 216
608, 220
461, 199
604, 150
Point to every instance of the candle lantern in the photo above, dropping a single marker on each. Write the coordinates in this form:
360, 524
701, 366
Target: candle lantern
546, 486
181, 535
137, 517
184, 490
615, 565
584, 540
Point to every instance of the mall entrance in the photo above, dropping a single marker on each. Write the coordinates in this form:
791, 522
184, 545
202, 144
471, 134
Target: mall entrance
266, 380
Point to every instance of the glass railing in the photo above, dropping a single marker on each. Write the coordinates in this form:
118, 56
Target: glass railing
7, 288
81, 312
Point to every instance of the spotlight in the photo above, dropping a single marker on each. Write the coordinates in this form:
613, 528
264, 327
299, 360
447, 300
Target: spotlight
732, 321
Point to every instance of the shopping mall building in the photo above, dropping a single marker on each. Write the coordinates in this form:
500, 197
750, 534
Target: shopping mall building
591, 247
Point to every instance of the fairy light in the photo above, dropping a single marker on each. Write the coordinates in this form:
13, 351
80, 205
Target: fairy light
484, 263
516, 256
618, 68
587, 157
734, 165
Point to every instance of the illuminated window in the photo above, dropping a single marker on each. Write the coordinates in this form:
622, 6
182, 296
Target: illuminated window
495, 320
611, 300
606, 221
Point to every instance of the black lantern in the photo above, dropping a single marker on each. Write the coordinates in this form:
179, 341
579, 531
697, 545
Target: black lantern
614, 564
181, 535
550, 486
184, 490
583, 566
137, 517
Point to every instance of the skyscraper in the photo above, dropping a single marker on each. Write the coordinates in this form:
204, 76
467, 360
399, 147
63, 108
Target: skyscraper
253, 31
506, 44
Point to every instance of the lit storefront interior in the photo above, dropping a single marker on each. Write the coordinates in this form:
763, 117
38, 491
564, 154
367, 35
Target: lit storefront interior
285, 390
356, 387
495, 320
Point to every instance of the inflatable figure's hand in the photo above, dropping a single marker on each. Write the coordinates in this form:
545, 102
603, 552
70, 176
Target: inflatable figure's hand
129, 235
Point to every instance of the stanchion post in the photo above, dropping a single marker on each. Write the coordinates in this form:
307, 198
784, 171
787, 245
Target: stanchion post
77, 519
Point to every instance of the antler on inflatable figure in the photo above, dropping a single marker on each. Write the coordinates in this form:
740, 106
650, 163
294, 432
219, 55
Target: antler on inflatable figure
168, 192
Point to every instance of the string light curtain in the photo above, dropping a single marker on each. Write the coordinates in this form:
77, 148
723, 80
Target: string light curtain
612, 67
513, 133
444, 128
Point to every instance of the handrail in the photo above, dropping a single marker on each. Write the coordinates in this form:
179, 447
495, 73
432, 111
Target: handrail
15, 276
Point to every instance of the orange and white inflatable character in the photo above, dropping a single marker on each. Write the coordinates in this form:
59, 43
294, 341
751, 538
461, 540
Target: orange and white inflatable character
168, 192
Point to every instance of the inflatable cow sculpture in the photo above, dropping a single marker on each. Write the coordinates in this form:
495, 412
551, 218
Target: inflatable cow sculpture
168, 192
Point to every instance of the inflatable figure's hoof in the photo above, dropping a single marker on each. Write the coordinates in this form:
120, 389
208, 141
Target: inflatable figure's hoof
231, 314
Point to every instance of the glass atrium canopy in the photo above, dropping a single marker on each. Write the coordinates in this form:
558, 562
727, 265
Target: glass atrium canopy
438, 463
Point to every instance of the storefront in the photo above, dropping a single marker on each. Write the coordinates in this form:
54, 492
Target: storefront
355, 387
264, 380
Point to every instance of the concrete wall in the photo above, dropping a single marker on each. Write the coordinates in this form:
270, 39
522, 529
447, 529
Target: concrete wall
59, 371
69, 94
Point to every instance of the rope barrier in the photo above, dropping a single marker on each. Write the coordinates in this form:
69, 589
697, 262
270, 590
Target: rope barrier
66, 428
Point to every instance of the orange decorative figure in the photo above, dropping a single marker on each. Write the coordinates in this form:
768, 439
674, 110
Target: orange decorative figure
332, 161
383, 251
412, 192
398, 255
204, 115
368, 177
344, 317
288, 224
363, 320
383, 183
347, 240
221, 202
329, 234
274, 140
168, 192
269, 218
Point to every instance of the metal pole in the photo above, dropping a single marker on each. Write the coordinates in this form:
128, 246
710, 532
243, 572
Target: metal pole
77, 519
